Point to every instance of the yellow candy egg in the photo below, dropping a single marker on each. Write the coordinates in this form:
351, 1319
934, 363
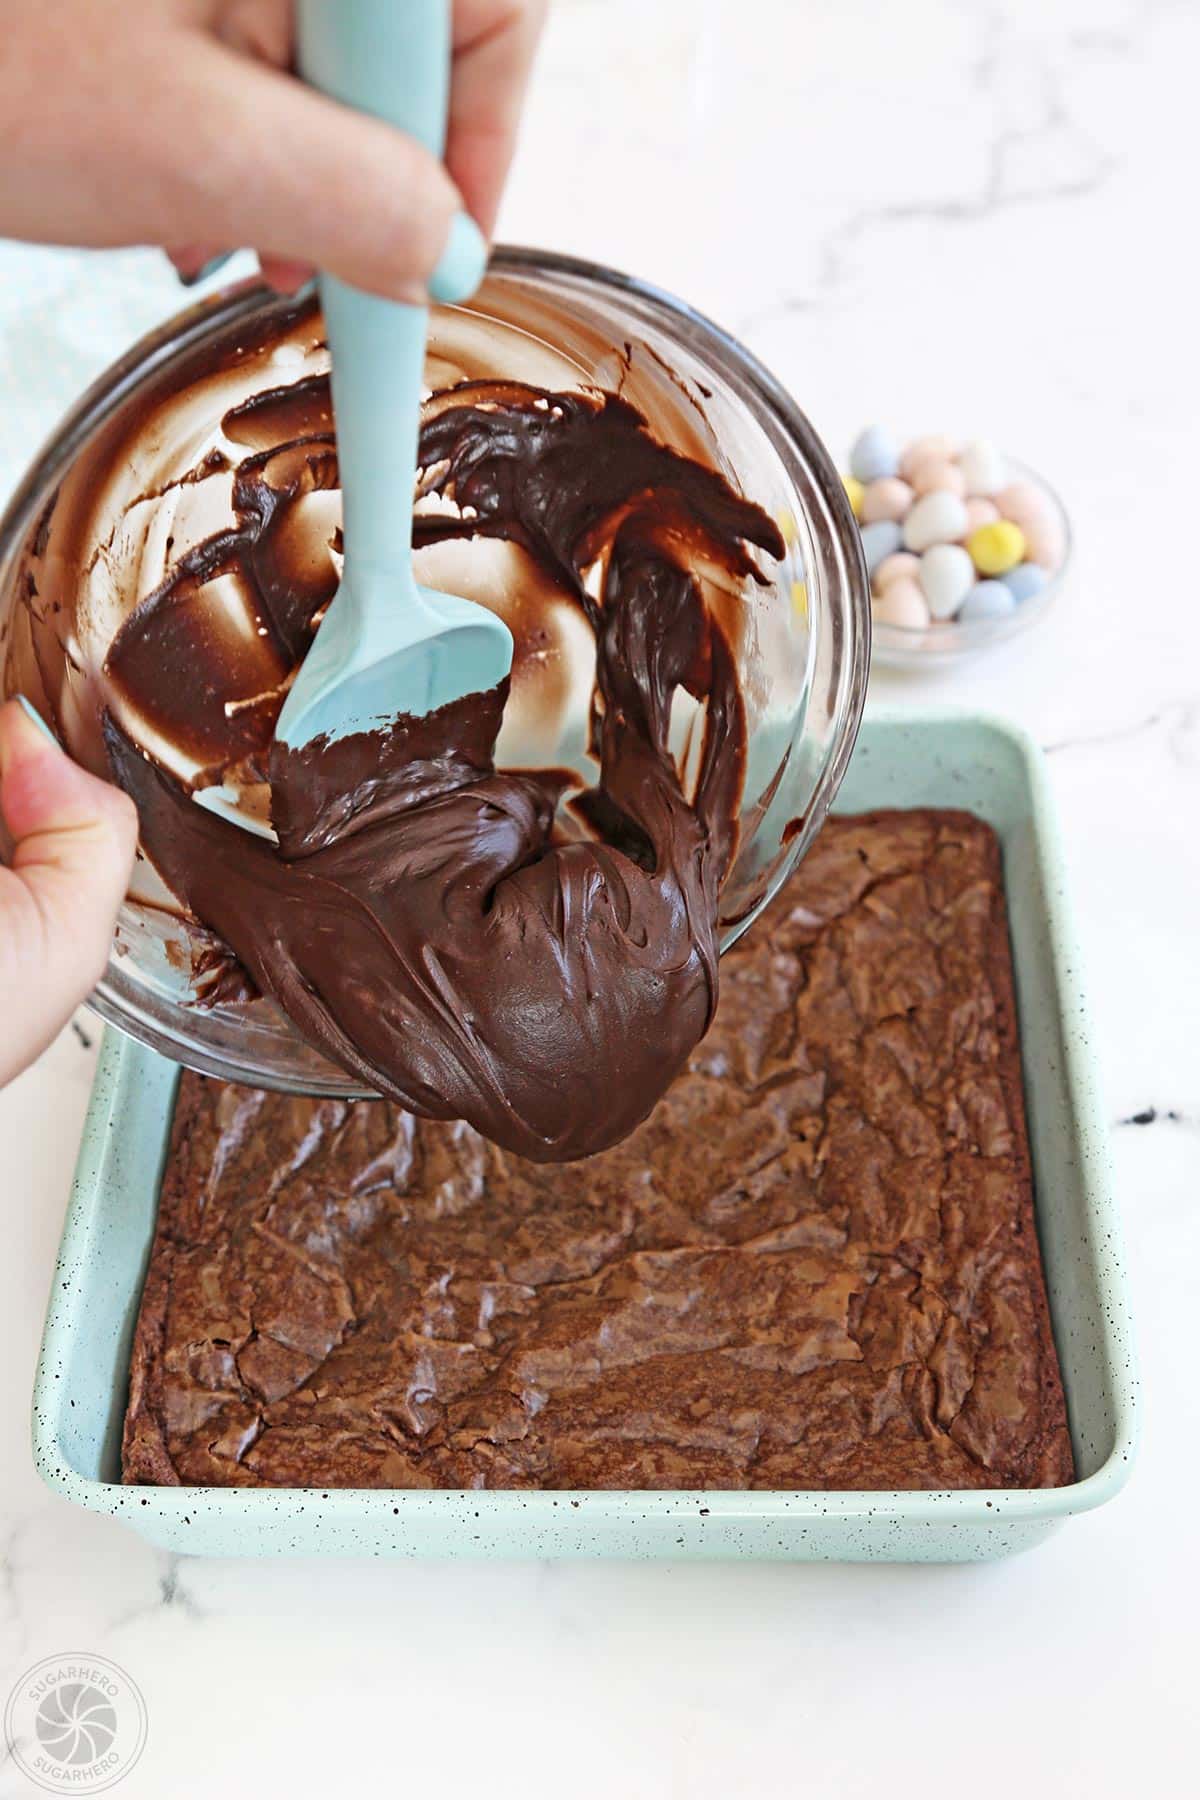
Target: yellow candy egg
854, 492
996, 548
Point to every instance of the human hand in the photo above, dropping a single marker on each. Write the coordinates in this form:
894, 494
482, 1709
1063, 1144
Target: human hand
72, 841
176, 122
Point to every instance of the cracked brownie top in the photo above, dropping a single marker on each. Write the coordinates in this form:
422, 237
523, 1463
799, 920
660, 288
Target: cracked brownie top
814, 1266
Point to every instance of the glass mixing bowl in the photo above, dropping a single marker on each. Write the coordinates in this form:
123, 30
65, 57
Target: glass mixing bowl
806, 636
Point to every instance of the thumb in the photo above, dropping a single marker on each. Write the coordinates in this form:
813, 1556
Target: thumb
72, 838
307, 180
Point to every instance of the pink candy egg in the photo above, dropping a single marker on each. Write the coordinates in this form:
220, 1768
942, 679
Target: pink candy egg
902, 604
981, 512
1029, 507
934, 475
924, 449
887, 498
1044, 546
901, 565
1023, 502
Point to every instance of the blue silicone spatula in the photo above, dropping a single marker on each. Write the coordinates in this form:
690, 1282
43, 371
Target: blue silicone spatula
386, 645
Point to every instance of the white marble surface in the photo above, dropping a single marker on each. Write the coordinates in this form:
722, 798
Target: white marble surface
959, 215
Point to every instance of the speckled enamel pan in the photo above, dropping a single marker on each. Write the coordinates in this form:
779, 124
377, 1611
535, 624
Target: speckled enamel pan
939, 759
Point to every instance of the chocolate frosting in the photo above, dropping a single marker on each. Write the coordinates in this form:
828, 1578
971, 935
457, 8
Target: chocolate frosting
426, 921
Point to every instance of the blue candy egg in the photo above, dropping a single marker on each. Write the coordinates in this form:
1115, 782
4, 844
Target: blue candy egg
987, 600
1026, 580
879, 540
873, 455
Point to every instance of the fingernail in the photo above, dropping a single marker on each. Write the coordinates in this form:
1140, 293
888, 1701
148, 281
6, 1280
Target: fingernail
206, 269
35, 718
463, 262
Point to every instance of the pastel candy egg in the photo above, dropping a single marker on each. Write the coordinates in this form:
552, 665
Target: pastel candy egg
987, 600
1045, 545
854, 493
996, 548
1026, 580
887, 498
983, 468
980, 512
901, 565
873, 455
925, 449
934, 474
947, 577
902, 604
1023, 502
879, 540
938, 518
1029, 507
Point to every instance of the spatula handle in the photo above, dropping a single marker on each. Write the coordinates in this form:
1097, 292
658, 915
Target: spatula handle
390, 58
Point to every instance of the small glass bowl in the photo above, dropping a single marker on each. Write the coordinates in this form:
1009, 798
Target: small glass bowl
949, 640
804, 660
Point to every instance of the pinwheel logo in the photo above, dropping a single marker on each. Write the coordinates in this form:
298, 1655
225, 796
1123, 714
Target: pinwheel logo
77, 1721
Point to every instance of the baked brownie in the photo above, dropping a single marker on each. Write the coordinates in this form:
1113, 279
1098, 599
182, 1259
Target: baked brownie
814, 1266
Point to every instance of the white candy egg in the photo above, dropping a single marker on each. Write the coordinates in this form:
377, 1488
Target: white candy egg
983, 468
947, 577
938, 518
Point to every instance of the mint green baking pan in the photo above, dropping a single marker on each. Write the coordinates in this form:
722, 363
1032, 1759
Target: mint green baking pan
941, 759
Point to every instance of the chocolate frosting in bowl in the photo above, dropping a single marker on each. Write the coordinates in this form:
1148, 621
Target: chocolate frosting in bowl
510, 946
